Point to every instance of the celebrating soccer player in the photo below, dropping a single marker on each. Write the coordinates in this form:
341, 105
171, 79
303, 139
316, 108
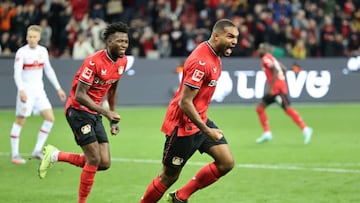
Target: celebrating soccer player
187, 126
98, 77
31, 61
277, 92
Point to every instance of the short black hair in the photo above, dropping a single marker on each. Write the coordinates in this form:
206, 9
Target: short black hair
115, 27
221, 24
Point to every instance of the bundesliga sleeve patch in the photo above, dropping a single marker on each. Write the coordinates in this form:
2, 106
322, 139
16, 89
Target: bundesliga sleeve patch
197, 75
87, 72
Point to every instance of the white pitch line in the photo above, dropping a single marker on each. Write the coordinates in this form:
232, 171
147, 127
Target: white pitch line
254, 166
290, 167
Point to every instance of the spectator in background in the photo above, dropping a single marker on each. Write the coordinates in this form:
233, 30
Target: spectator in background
5, 43
7, 12
96, 27
327, 34
264, 20
79, 8
246, 41
19, 22
146, 41
46, 33
114, 9
177, 39
299, 50
164, 46
97, 10
82, 47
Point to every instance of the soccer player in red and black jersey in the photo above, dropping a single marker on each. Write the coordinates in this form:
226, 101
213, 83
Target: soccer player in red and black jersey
98, 77
186, 125
277, 92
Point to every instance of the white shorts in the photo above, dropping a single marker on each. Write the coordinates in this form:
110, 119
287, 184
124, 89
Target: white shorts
37, 101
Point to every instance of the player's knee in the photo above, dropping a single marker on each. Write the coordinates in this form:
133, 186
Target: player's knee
169, 175
104, 166
226, 166
93, 160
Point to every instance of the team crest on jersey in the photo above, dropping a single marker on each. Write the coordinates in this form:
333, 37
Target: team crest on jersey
86, 129
87, 72
121, 70
212, 83
197, 75
177, 161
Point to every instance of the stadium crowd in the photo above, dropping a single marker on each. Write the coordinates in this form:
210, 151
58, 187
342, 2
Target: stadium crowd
171, 28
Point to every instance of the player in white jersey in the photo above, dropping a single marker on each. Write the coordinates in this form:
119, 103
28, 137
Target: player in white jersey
31, 61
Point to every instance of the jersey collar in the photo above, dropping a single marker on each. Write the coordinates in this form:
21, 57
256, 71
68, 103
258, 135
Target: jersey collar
107, 54
211, 48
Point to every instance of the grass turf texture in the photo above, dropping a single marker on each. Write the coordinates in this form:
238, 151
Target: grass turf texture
281, 171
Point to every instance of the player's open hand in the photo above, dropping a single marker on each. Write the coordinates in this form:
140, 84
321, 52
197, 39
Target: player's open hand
61, 94
215, 134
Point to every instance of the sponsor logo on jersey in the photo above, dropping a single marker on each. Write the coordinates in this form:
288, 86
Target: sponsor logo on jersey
177, 161
86, 129
197, 75
97, 80
87, 72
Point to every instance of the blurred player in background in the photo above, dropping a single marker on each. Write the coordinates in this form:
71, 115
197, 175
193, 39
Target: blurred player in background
186, 125
277, 92
98, 77
31, 61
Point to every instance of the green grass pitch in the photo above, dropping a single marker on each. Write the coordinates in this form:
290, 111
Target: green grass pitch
281, 171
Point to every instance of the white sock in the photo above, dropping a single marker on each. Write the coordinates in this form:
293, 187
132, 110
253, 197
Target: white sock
54, 156
267, 133
43, 135
15, 139
305, 130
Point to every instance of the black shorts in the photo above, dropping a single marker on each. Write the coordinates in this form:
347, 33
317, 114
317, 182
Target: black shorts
178, 150
281, 99
87, 127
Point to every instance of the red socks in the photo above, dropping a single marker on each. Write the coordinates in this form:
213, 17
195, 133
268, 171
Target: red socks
86, 181
263, 118
72, 158
206, 176
154, 192
295, 117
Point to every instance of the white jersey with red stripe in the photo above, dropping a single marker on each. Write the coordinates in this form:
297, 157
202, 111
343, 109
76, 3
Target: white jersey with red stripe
29, 66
